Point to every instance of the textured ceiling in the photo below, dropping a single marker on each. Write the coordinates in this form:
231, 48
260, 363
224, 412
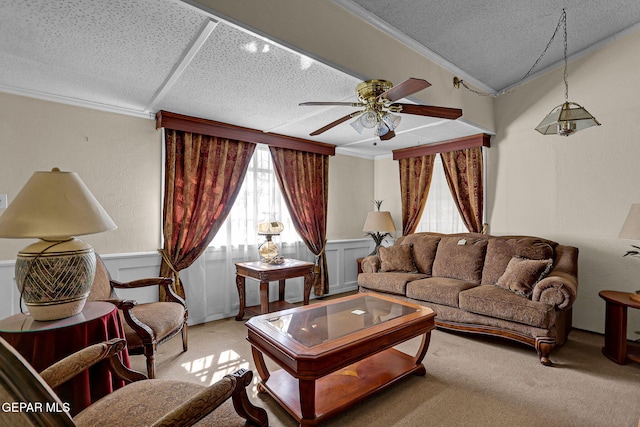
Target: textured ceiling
140, 56
494, 42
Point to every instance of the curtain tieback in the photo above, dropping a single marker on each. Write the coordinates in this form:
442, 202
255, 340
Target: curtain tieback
166, 259
316, 269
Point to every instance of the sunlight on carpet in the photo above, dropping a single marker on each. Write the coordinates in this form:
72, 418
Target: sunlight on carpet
208, 372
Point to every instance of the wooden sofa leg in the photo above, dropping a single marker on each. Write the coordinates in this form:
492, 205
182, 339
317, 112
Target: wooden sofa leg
253, 414
544, 347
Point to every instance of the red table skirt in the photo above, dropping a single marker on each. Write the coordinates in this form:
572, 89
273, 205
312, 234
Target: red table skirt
42, 348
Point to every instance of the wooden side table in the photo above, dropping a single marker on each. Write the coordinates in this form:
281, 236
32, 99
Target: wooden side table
616, 347
44, 343
265, 273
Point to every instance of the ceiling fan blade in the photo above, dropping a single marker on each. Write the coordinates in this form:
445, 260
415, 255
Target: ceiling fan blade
346, 104
387, 136
404, 89
332, 124
426, 110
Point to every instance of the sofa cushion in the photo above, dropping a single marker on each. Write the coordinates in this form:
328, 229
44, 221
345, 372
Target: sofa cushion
460, 258
397, 258
503, 304
424, 250
439, 290
522, 274
500, 251
393, 283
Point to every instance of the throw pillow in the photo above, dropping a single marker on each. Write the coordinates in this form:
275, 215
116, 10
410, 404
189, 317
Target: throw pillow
397, 258
522, 274
460, 257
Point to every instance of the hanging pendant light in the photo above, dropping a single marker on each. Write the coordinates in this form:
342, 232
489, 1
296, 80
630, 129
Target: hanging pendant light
568, 117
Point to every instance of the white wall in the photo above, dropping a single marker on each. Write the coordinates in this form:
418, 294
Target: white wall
118, 157
350, 195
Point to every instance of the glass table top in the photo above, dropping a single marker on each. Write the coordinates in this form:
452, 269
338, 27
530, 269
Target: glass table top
316, 325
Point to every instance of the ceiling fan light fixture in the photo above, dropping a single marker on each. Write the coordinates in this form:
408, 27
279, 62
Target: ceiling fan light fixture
357, 125
369, 119
378, 99
381, 129
566, 119
391, 120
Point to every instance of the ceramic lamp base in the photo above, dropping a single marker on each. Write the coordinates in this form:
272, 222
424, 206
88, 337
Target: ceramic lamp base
54, 277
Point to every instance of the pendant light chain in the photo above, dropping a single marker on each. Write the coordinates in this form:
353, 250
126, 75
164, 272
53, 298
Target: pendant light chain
562, 22
563, 19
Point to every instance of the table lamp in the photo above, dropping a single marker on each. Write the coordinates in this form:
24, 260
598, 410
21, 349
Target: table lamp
54, 275
268, 250
378, 225
631, 230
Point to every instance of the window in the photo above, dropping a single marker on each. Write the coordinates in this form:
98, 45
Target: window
440, 212
259, 197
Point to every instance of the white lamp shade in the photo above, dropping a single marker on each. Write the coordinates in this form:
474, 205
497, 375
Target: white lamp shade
631, 227
357, 125
391, 120
54, 205
378, 221
369, 119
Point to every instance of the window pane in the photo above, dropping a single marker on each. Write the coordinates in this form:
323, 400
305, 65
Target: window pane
259, 197
440, 212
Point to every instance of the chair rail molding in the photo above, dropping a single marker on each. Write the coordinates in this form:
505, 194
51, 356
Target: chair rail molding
210, 281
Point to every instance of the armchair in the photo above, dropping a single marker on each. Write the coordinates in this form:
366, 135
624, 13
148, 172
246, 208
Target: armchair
28, 398
146, 325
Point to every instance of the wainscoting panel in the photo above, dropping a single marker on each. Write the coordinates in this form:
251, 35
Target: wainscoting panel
10, 301
210, 282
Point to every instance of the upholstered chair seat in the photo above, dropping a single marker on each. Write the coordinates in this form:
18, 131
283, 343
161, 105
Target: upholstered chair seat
146, 325
164, 318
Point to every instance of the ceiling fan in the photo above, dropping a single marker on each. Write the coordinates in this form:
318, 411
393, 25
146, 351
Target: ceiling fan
378, 99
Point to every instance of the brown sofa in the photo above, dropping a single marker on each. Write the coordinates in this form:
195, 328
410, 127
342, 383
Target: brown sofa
517, 287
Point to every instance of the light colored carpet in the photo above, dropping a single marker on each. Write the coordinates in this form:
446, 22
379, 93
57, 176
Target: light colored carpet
470, 381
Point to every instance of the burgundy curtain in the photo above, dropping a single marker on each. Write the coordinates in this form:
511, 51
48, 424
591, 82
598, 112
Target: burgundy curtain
463, 169
203, 175
304, 181
415, 180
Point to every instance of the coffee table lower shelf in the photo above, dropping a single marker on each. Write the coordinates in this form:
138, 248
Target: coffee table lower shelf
344, 387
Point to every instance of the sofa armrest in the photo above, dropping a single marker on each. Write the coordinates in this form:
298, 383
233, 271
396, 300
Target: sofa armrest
371, 264
559, 289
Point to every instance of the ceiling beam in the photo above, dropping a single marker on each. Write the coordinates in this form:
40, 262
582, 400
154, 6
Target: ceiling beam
182, 64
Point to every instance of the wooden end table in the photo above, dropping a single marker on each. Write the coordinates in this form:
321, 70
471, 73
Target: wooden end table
616, 347
265, 273
336, 353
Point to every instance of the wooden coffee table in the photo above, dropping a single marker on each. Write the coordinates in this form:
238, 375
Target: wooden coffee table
336, 353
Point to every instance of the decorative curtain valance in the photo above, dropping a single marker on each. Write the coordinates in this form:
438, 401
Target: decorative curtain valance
166, 119
203, 175
480, 140
304, 182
